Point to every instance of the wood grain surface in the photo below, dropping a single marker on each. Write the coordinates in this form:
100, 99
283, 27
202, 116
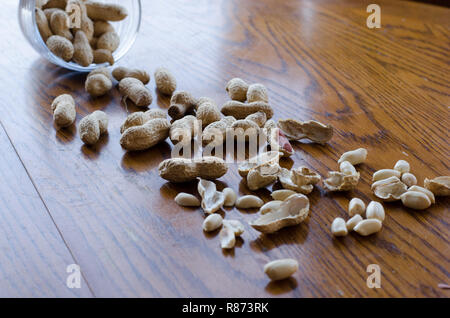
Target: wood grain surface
107, 210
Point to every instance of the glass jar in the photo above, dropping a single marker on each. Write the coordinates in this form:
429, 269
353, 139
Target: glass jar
127, 29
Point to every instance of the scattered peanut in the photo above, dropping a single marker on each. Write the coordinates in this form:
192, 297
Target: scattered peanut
281, 269
347, 168
145, 136
135, 90
240, 110
248, 128
375, 210
182, 130
428, 193
409, 179
165, 81
385, 173
186, 199
93, 126
354, 157
351, 223
338, 227
182, 169
98, 82
119, 73
368, 227
230, 197
61, 47
439, 185
227, 237
140, 118
415, 200
402, 166
257, 93
356, 207
180, 103
249, 202
212, 222
237, 89
64, 112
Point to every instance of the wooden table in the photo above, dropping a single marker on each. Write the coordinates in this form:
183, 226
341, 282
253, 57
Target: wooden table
107, 210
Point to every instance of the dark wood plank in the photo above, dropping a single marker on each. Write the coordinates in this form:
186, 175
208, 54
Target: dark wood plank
386, 90
33, 257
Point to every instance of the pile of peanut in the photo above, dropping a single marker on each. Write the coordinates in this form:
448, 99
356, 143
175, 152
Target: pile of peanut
79, 31
248, 110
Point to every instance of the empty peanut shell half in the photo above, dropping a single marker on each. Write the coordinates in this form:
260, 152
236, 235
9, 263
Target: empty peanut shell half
439, 185
389, 189
292, 211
